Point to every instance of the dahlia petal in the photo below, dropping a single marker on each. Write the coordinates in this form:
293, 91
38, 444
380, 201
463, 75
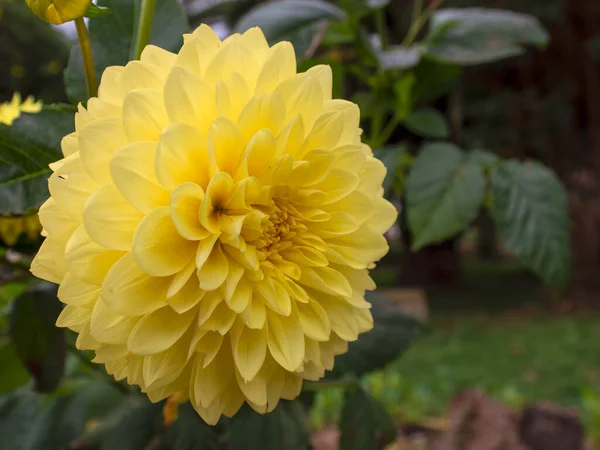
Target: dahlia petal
159, 330
326, 279
280, 64
338, 184
86, 259
109, 327
255, 390
158, 56
225, 147
109, 219
255, 314
76, 292
326, 132
291, 138
132, 170
157, 246
228, 59
262, 111
285, 340
323, 74
110, 89
49, 263
260, 153
205, 249
139, 74
72, 316
249, 347
303, 95
107, 352
211, 380
214, 271
181, 278
185, 205
162, 369
182, 90
206, 344
182, 156
313, 320
275, 295
144, 115
69, 145
232, 96
255, 40
187, 296
70, 186
341, 316
351, 114
384, 216
56, 221
221, 320
207, 305
239, 297
128, 290
372, 176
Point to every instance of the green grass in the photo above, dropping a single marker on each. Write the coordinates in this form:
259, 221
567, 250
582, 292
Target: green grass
492, 334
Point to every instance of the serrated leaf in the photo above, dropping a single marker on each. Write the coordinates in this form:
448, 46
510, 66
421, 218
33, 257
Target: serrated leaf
26, 149
530, 210
393, 332
427, 122
284, 428
365, 423
390, 157
13, 373
444, 192
38, 342
469, 36
399, 58
136, 429
290, 20
112, 39
190, 432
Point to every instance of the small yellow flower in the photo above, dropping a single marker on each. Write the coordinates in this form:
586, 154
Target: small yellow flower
59, 11
12, 227
213, 223
10, 111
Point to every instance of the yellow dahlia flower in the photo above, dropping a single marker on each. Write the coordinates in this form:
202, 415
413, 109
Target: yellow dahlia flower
10, 111
213, 223
59, 11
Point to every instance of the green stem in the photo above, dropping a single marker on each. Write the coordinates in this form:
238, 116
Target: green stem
144, 27
88, 59
419, 20
387, 131
381, 28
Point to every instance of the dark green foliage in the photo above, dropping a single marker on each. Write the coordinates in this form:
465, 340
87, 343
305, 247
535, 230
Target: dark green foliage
365, 424
26, 149
392, 334
530, 209
284, 428
444, 192
37, 341
189, 432
476, 36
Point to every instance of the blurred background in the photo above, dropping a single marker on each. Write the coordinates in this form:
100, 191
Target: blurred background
509, 360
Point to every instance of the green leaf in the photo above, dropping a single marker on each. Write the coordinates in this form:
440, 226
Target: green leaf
284, 428
391, 158
13, 374
18, 412
433, 79
399, 58
190, 432
365, 423
530, 210
428, 122
393, 332
26, 149
97, 11
112, 39
136, 429
59, 424
403, 88
476, 35
444, 192
37, 341
290, 20
486, 158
